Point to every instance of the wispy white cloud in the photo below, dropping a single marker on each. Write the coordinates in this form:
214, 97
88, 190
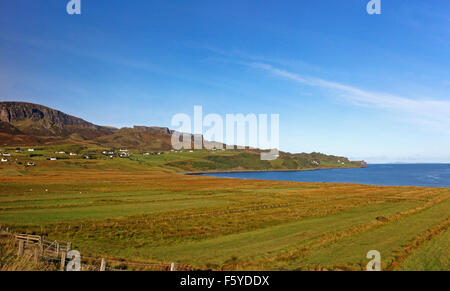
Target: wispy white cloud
430, 113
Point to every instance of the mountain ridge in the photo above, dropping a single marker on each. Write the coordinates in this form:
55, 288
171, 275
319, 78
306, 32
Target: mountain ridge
24, 123
38, 120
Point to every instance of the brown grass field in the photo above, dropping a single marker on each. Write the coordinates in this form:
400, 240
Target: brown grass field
121, 209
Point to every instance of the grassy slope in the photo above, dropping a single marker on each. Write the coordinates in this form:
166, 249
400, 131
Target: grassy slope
186, 161
139, 209
433, 256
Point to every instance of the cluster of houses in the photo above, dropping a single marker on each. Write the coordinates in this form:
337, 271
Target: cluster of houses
5, 159
5, 156
121, 154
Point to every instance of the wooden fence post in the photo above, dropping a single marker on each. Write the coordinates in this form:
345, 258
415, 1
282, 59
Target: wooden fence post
173, 267
36, 255
21, 245
103, 265
63, 261
41, 246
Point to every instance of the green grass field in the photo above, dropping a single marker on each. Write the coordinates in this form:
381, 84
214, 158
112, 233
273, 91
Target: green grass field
140, 209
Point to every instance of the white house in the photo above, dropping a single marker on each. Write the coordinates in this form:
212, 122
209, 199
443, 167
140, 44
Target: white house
31, 150
31, 164
73, 154
6, 155
53, 159
4, 160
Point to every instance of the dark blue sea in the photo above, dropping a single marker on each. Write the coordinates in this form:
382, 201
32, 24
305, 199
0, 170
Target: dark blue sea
427, 175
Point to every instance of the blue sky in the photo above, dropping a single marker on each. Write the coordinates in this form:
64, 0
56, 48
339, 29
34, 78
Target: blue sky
372, 87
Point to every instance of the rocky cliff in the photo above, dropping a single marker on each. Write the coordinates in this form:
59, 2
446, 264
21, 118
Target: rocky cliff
38, 120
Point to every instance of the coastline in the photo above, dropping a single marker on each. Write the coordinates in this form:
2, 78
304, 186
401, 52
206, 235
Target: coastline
260, 171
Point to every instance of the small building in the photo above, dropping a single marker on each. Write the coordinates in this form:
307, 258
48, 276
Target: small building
87, 157
73, 154
4, 160
31, 150
31, 164
6, 155
53, 159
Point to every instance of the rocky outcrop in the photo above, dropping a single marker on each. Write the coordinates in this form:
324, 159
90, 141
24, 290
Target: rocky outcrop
34, 119
5, 127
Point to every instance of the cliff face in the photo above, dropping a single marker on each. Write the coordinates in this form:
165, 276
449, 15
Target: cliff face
12, 112
39, 120
5, 127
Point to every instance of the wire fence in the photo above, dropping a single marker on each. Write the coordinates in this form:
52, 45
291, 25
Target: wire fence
56, 252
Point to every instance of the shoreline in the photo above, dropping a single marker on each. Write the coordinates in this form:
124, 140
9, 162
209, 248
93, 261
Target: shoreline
262, 171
